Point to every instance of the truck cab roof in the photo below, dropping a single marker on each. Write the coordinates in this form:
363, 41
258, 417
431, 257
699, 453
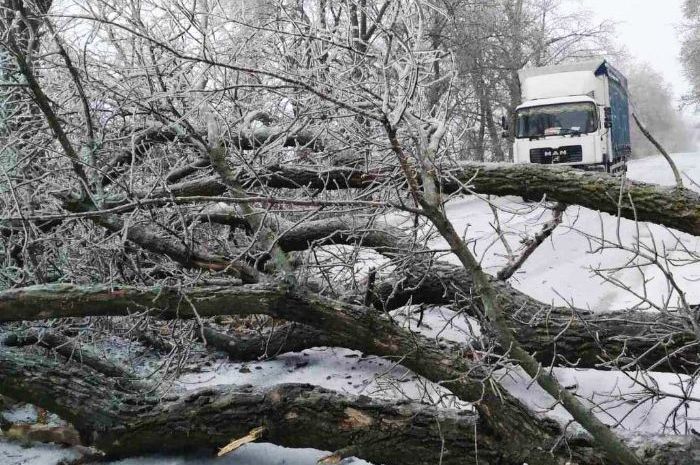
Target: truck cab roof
555, 100
598, 66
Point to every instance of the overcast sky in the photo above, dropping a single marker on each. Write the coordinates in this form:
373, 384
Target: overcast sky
648, 29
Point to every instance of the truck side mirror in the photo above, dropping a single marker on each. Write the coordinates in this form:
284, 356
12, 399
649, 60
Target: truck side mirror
504, 124
607, 122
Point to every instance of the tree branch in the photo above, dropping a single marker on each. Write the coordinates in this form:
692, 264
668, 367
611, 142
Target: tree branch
675, 208
662, 151
671, 207
531, 244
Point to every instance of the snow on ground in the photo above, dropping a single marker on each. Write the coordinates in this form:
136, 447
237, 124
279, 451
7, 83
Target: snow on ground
348, 371
250, 454
338, 369
560, 271
12, 453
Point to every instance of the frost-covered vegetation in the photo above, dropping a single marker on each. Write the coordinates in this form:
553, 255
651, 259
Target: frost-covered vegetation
228, 222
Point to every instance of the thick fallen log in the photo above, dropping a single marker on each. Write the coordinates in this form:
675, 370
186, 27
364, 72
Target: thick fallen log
668, 206
557, 335
124, 422
66, 300
358, 328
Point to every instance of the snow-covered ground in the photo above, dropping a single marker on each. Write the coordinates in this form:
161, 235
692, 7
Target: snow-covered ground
562, 270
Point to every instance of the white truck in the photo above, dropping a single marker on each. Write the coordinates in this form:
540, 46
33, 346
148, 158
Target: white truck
573, 114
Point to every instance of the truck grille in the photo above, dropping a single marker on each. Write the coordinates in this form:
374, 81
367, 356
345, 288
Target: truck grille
566, 154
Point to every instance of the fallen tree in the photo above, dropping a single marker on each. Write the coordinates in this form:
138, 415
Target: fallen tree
117, 419
154, 244
351, 327
638, 201
121, 422
557, 335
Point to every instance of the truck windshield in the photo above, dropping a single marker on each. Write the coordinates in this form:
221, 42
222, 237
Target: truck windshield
554, 120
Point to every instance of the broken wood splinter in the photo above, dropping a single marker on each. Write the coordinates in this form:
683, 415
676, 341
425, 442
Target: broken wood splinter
254, 435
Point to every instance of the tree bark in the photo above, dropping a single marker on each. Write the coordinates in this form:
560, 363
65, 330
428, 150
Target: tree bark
557, 335
353, 327
125, 423
127, 420
667, 206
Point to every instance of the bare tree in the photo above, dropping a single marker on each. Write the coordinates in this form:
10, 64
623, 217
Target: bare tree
653, 101
195, 162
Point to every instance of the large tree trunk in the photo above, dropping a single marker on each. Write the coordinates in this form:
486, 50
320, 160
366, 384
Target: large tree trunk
638, 201
350, 326
675, 208
125, 423
353, 327
590, 339
556, 335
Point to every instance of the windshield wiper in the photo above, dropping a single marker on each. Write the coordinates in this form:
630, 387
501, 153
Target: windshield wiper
571, 132
563, 132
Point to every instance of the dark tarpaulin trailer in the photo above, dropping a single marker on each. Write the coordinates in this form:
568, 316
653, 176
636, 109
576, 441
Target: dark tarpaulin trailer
619, 111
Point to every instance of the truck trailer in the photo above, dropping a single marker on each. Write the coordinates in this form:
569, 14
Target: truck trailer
573, 114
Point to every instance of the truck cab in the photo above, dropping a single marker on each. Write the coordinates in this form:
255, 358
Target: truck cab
575, 114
